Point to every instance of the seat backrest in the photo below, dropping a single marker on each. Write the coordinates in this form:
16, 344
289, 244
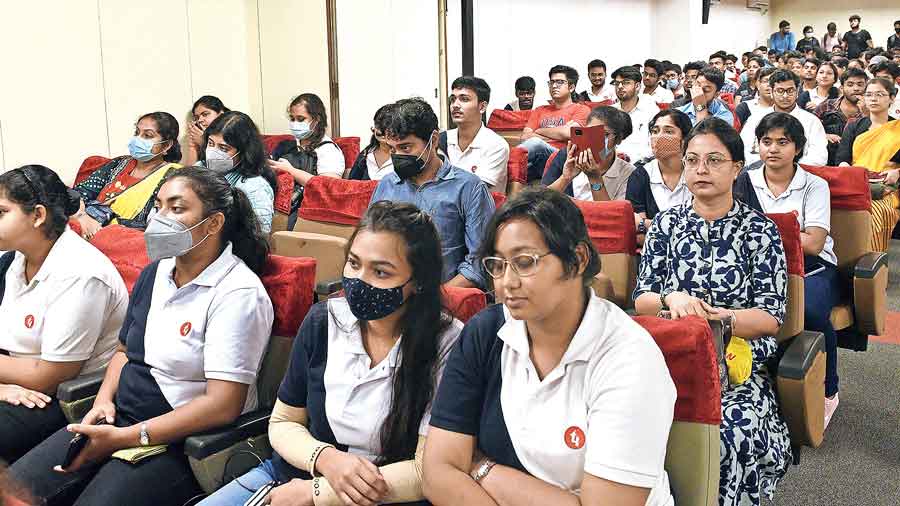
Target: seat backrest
612, 230
290, 283
272, 140
333, 206
692, 453
349, 146
516, 171
851, 221
499, 199
597, 104
789, 230
127, 250
88, 166
502, 120
463, 303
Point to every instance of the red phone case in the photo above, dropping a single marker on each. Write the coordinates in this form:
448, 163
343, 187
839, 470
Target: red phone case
593, 138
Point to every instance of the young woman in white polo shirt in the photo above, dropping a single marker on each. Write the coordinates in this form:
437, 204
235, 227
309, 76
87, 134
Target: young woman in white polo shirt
352, 413
62, 303
777, 184
190, 348
555, 396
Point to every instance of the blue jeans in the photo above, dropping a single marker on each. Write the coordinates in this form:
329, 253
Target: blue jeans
240, 489
538, 153
822, 292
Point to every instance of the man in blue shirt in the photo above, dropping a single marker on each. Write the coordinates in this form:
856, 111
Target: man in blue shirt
458, 201
704, 102
783, 40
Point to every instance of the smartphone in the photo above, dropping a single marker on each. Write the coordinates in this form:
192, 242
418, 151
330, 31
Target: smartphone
812, 268
259, 497
593, 138
76, 445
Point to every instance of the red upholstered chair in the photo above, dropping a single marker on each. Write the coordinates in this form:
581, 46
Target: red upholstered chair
598, 104
516, 171
463, 303
611, 228
272, 140
499, 199
330, 210
864, 271
509, 124
728, 98
127, 250
692, 453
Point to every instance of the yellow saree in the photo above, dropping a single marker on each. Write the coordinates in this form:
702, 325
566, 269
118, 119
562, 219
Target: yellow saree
873, 150
129, 203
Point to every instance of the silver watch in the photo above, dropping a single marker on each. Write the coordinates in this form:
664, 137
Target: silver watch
145, 436
483, 470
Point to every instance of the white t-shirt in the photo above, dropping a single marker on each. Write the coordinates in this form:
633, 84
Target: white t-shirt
375, 171
816, 151
486, 156
607, 92
807, 195
71, 311
615, 180
637, 145
661, 95
894, 111
665, 197
330, 158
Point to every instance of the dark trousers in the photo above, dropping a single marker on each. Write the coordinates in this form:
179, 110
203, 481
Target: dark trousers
21, 428
165, 479
822, 292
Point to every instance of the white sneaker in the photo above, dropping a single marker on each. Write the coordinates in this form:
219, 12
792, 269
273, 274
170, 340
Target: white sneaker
830, 407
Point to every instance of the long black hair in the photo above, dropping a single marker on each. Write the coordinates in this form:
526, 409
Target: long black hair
240, 132
212, 103
378, 123
422, 324
317, 114
167, 128
33, 185
241, 225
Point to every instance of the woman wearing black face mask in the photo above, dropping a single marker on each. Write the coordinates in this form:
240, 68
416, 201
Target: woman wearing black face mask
193, 339
378, 385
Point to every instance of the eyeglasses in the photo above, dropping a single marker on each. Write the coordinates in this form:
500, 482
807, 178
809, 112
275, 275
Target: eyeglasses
785, 93
622, 83
876, 94
713, 162
647, 74
524, 265
554, 83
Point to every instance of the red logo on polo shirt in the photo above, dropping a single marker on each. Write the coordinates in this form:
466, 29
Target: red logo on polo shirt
474, 168
185, 329
574, 437
29, 321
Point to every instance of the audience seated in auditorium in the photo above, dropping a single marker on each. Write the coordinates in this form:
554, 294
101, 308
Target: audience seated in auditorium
783, 40
841, 64
808, 74
392, 287
856, 40
311, 153
763, 99
659, 184
873, 142
653, 84
578, 175
548, 127
717, 60
599, 90
524, 88
374, 161
777, 184
835, 113
672, 77
731, 71
472, 146
748, 88
691, 71
204, 111
235, 150
191, 345
588, 382
825, 89
794, 61
640, 108
747, 283
705, 101
62, 303
785, 88
123, 190
457, 200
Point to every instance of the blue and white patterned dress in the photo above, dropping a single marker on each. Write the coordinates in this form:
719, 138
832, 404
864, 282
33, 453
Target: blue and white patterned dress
735, 262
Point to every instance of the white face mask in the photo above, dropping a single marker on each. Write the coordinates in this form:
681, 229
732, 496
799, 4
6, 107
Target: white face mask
167, 237
218, 161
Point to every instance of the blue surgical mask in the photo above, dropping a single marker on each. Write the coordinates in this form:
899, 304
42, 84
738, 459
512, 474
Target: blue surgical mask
219, 161
142, 149
369, 303
672, 84
300, 129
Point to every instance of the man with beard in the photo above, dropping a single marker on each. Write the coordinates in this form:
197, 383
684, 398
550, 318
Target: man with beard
599, 91
653, 88
641, 108
524, 95
856, 41
837, 112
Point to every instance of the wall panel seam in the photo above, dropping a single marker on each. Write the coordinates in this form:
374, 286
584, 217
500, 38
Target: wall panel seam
103, 79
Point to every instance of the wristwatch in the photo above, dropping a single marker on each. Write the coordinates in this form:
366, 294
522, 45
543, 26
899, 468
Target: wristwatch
483, 470
701, 107
662, 299
642, 227
595, 187
145, 436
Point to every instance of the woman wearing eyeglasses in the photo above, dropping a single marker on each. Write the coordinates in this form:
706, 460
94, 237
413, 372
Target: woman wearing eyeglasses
554, 396
873, 142
719, 259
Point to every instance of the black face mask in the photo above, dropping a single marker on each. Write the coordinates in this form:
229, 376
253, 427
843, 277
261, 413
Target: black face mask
897, 29
409, 166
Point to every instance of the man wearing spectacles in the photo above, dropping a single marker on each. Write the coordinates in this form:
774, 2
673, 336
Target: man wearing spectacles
653, 71
548, 127
785, 87
640, 108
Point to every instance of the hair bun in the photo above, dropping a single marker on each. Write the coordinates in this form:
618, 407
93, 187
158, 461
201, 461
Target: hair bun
73, 202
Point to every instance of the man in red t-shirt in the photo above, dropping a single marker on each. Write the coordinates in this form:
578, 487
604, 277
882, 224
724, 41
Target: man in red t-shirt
548, 127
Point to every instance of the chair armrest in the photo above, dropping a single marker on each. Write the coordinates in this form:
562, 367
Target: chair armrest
247, 425
800, 354
870, 278
80, 388
329, 251
869, 264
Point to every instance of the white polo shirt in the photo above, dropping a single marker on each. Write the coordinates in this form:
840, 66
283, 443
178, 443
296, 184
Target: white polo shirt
665, 197
72, 309
814, 153
486, 156
376, 172
637, 145
606, 409
216, 327
330, 158
607, 92
807, 195
615, 180
661, 95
